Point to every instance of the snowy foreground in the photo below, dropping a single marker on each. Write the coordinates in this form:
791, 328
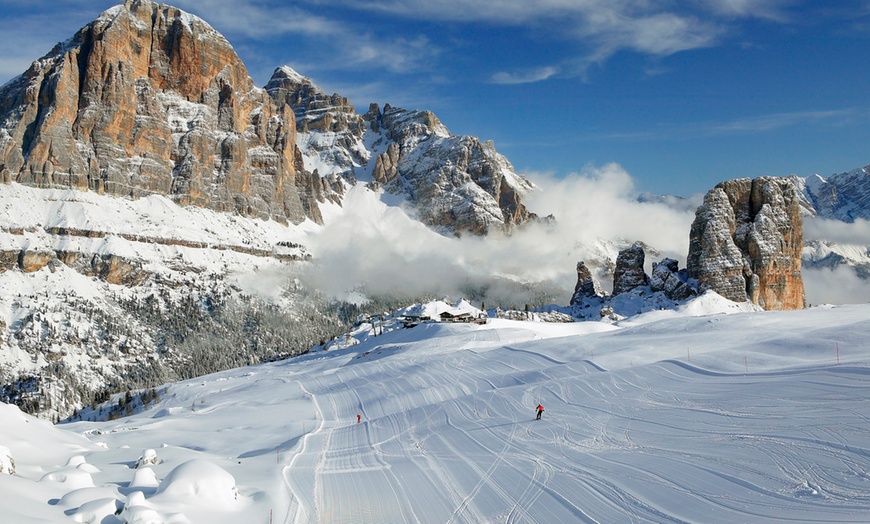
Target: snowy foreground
668, 417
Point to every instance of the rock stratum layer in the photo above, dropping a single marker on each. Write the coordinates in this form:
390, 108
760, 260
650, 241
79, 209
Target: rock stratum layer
745, 243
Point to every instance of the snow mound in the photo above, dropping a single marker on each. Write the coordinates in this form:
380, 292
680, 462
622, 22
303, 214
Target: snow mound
71, 478
99, 510
201, 480
144, 478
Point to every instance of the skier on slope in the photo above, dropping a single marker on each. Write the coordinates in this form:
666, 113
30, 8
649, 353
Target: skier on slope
540, 409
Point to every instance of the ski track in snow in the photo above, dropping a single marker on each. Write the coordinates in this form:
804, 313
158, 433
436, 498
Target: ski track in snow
452, 439
756, 423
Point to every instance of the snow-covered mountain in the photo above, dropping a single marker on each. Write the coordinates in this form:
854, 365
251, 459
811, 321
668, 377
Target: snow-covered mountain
829, 203
844, 196
157, 225
148, 99
673, 416
455, 184
155, 222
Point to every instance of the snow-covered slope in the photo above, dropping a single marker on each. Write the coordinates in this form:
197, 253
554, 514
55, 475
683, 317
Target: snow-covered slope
99, 292
748, 417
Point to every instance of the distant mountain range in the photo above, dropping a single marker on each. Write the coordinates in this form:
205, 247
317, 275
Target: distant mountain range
843, 197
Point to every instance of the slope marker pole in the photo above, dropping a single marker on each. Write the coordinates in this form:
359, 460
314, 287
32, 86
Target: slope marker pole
838, 353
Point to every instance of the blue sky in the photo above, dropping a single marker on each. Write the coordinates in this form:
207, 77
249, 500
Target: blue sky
681, 93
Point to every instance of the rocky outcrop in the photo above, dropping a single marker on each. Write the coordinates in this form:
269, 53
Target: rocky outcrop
149, 99
633, 291
629, 273
113, 269
668, 278
745, 243
586, 286
458, 184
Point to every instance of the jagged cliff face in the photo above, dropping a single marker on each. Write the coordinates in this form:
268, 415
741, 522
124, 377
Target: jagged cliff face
148, 99
457, 183
746, 241
330, 132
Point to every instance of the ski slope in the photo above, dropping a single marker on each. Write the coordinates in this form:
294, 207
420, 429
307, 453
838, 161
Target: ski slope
745, 417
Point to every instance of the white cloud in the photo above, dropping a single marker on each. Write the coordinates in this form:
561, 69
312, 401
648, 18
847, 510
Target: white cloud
856, 233
601, 203
765, 9
597, 28
775, 121
838, 286
399, 55
258, 20
740, 126
389, 253
525, 77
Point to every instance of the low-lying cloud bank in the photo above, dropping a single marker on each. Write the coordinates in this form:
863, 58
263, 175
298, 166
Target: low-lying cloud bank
381, 250
835, 286
840, 285
596, 213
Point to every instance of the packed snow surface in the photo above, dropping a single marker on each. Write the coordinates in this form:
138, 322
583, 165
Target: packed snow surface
698, 416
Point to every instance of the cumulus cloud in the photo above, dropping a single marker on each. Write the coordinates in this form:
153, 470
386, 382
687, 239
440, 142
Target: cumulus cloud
603, 200
383, 249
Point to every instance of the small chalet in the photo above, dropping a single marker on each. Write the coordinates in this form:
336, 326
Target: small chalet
461, 317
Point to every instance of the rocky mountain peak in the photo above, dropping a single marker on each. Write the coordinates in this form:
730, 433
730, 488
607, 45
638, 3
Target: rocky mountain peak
330, 132
149, 99
745, 243
459, 183
586, 286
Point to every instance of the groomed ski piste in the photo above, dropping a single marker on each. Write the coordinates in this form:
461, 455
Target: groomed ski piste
705, 414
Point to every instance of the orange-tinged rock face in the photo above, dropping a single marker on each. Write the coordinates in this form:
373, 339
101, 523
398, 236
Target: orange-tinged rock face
150, 99
746, 243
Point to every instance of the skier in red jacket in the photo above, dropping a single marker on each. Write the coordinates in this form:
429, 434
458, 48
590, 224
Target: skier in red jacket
540, 409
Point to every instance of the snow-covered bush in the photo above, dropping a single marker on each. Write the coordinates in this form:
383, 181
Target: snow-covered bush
200, 479
137, 510
7, 463
148, 458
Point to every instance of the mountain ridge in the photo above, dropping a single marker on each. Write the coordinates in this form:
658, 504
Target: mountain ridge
150, 99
